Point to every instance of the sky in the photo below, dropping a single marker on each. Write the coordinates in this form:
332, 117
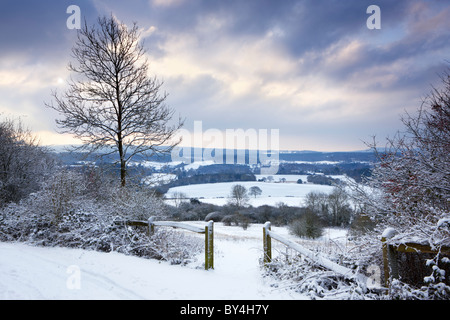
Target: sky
311, 69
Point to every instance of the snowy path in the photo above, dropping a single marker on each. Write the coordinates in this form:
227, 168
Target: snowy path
28, 272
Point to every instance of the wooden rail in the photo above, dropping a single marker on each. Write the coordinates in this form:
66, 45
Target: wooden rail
318, 258
208, 230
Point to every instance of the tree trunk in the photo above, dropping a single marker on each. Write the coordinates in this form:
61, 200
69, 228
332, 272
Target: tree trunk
123, 173
123, 165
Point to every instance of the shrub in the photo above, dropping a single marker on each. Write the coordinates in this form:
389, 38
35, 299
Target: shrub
65, 213
307, 226
215, 216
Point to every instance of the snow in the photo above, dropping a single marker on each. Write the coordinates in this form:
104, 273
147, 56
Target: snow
156, 179
272, 193
29, 272
197, 164
443, 222
389, 233
320, 259
312, 162
155, 164
288, 177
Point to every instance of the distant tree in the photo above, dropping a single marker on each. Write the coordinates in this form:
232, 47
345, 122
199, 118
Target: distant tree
238, 196
255, 191
178, 197
333, 208
322, 179
317, 202
113, 106
339, 208
308, 225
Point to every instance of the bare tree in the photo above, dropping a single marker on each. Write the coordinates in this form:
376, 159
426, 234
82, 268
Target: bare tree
339, 207
317, 202
114, 106
178, 197
238, 196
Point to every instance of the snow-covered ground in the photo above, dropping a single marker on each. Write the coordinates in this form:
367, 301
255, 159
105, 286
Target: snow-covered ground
28, 272
292, 194
156, 179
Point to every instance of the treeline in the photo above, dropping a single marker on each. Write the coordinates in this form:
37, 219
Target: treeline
355, 170
323, 180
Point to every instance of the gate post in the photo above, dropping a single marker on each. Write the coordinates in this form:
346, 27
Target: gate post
151, 226
209, 245
267, 243
389, 256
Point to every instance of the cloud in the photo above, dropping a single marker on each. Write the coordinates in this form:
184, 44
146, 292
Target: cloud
309, 68
298, 65
38, 28
166, 3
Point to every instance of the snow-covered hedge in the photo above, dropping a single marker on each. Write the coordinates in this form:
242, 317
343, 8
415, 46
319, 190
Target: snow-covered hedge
71, 211
306, 277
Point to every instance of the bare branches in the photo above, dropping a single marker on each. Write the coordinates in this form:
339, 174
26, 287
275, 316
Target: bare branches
113, 101
413, 174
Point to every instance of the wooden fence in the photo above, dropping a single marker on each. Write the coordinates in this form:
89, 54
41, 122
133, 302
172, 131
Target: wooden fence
391, 249
208, 230
318, 258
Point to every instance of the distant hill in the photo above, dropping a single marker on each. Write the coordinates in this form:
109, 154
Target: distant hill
284, 156
344, 156
354, 164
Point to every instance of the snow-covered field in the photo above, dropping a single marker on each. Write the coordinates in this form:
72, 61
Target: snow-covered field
28, 272
292, 194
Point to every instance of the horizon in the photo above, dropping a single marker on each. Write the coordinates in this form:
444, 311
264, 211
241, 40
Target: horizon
61, 146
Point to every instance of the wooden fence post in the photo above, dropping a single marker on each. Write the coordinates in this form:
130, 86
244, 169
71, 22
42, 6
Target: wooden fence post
389, 257
267, 243
209, 245
151, 226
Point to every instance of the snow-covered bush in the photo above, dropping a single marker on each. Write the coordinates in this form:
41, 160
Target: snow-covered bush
65, 212
135, 203
23, 163
409, 189
306, 277
63, 193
